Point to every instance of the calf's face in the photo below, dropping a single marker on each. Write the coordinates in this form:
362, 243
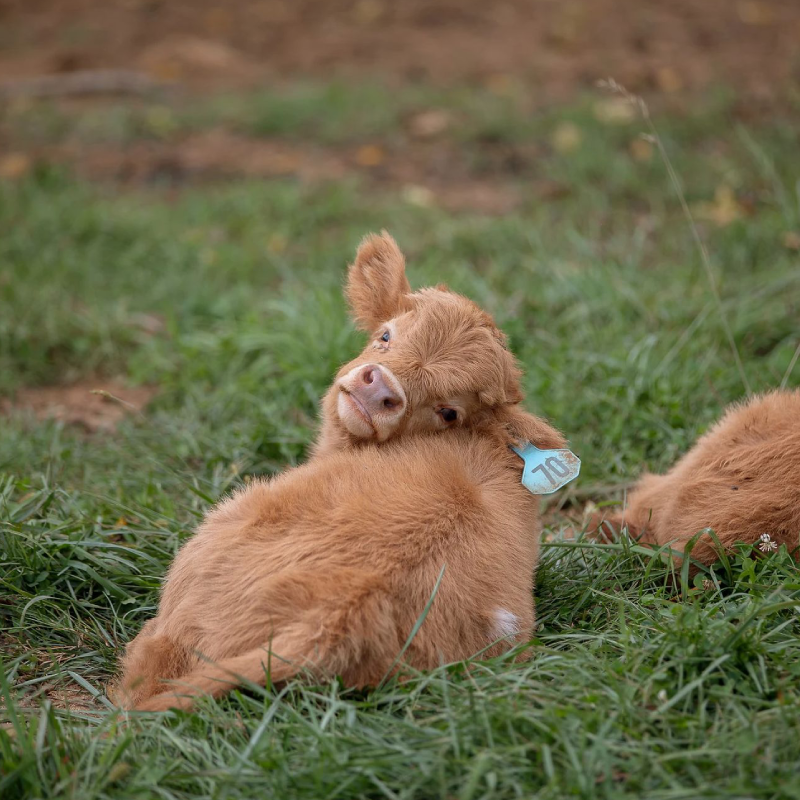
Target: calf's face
435, 361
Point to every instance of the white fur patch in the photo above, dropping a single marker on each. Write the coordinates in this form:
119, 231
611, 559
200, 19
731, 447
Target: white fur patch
505, 624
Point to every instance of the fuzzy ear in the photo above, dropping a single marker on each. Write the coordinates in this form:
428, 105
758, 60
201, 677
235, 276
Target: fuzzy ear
509, 392
506, 388
377, 287
520, 426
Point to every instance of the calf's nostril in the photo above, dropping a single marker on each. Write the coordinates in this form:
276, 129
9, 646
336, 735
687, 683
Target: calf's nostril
375, 392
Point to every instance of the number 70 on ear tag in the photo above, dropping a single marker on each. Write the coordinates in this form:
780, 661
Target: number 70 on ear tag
546, 471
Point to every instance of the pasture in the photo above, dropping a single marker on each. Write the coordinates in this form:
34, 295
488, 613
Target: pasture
219, 292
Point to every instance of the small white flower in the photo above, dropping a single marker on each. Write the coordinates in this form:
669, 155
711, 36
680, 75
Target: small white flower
662, 696
708, 584
766, 545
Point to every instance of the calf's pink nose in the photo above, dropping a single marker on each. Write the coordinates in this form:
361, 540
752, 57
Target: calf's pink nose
373, 390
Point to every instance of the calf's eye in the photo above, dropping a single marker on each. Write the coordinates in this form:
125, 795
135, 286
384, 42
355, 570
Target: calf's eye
386, 336
449, 414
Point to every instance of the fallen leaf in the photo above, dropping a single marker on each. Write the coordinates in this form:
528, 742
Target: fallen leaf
668, 80
370, 155
791, 240
641, 149
724, 209
419, 196
15, 166
365, 12
428, 124
118, 771
614, 111
566, 138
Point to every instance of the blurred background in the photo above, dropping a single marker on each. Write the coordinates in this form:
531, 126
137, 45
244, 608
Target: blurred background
417, 93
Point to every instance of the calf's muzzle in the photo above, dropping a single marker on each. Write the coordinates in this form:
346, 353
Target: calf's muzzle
371, 401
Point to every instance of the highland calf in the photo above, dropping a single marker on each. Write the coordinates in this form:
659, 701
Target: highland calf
326, 568
741, 480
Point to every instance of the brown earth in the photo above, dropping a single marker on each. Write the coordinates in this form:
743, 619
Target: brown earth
61, 694
554, 46
97, 405
428, 173
548, 48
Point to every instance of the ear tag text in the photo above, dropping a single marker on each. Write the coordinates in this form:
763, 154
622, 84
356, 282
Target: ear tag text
546, 471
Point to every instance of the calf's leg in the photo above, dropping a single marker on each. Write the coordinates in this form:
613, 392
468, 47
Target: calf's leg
150, 659
344, 623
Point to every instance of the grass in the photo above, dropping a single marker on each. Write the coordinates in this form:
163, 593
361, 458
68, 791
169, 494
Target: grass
642, 684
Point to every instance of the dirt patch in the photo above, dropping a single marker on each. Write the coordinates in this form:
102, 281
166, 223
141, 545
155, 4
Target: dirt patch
65, 694
555, 46
543, 50
72, 698
95, 405
64, 697
434, 173
203, 156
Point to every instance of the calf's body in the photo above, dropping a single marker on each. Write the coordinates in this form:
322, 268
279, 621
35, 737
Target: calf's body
326, 568
741, 480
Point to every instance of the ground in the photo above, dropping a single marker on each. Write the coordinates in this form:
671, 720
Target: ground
170, 312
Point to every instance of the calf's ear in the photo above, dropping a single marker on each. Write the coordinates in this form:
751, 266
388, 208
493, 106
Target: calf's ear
520, 426
377, 287
504, 387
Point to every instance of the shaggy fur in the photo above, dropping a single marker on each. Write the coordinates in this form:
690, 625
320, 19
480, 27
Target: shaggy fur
742, 479
327, 567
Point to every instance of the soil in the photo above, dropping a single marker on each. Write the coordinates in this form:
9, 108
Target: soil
556, 46
551, 48
426, 174
96, 405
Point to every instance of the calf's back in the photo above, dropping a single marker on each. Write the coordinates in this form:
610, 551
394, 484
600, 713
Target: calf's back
741, 479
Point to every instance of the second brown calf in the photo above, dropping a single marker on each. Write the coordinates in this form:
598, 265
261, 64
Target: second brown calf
741, 480
327, 567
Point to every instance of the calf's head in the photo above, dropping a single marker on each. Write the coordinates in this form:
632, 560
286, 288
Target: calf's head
435, 362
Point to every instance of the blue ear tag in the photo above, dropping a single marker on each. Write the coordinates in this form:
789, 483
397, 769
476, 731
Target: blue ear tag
546, 471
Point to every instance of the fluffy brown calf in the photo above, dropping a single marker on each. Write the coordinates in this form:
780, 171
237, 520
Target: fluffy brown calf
742, 480
327, 567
